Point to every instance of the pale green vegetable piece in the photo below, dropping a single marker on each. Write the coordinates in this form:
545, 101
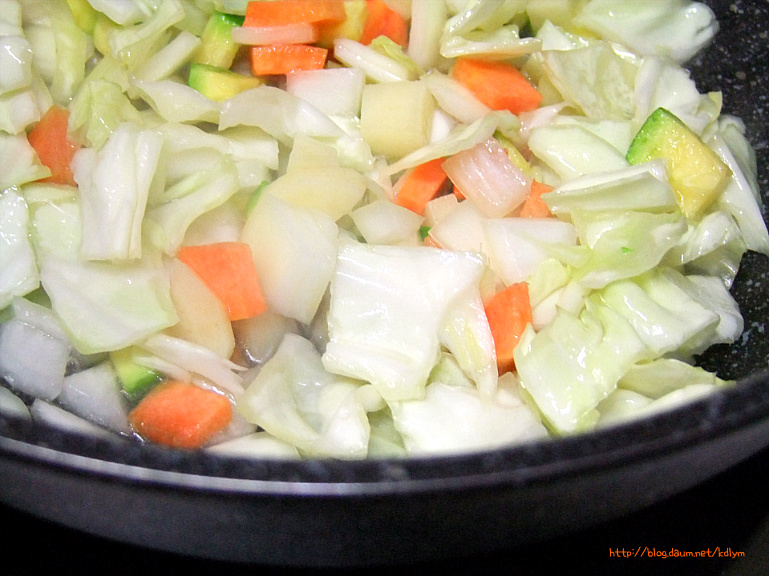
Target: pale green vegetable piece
297, 401
575, 362
114, 184
663, 315
659, 377
15, 63
18, 268
55, 221
389, 306
594, 79
675, 29
19, 163
256, 445
455, 419
624, 244
106, 306
168, 217
644, 187
572, 151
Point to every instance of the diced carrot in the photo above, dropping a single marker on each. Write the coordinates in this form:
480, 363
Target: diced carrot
458, 193
534, 206
286, 58
422, 185
180, 414
228, 269
499, 85
54, 148
384, 21
281, 12
508, 312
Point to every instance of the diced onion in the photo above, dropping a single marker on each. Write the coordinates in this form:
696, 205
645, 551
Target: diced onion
487, 177
298, 33
95, 394
52, 415
377, 66
335, 91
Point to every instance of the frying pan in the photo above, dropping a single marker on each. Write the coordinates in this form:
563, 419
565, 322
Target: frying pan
342, 513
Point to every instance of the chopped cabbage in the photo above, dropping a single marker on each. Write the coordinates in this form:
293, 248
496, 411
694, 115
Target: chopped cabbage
297, 401
114, 184
18, 268
675, 29
373, 250
389, 306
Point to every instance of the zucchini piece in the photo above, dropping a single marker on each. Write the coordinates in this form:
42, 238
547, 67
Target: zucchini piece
219, 83
696, 173
217, 48
135, 379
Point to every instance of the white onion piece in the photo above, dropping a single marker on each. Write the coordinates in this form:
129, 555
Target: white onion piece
377, 66
443, 124
95, 394
46, 413
382, 222
540, 117
335, 91
439, 208
32, 361
487, 177
12, 406
197, 360
298, 33
461, 229
454, 98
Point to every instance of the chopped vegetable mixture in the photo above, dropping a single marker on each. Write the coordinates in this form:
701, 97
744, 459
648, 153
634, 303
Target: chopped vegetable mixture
363, 228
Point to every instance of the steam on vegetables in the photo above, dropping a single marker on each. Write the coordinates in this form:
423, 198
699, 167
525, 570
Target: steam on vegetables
363, 228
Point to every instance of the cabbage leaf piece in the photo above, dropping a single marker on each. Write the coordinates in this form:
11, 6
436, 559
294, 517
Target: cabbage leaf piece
296, 400
18, 268
106, 306
391, 309
454, 418
675, 29
19, 163
115, 183
624, 244
575, 362
595, 79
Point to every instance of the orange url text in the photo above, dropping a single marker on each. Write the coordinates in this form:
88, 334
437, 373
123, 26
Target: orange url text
646, 552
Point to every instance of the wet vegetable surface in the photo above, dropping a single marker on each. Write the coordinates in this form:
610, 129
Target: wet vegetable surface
341, 513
